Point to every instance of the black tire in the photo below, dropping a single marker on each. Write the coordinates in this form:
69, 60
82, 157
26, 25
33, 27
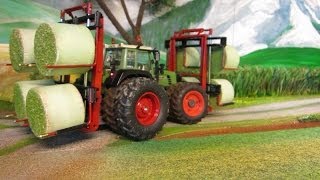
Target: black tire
108, 109
129, 122
177, 113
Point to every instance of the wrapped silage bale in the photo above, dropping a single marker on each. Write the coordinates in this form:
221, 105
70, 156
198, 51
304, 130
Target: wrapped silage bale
224, 59
192, 57
231, 58
53, 108
227, 91
63, 44
21, 50
20, 92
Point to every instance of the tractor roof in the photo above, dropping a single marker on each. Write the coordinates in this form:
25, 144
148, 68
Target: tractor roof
121, 45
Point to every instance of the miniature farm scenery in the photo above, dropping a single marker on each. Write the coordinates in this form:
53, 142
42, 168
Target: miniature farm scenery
159, 89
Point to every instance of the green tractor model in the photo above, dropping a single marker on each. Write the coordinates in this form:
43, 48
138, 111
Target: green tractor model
126, 85
135, 103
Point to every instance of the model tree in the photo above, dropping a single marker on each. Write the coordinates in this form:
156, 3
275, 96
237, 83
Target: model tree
150, 5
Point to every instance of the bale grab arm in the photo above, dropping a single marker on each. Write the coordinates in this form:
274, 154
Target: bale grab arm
93, 22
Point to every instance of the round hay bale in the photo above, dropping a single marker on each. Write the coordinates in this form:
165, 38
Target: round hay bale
192, 57
231, 58
224, 59
63, 44
53, 108
21, 50
20, 92
227, 91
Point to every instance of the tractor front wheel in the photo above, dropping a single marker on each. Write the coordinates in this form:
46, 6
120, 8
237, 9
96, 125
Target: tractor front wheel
188, 103
141, 107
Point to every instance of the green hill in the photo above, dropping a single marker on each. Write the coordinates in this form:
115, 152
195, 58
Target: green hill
28, 14
158, 30
23, 14
307, 57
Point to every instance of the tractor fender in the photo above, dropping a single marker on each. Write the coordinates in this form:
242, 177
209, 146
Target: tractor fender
123, 74
226, 95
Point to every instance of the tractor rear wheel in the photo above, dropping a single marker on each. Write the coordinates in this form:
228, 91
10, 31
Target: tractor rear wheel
108, 109
141, 107
188, 103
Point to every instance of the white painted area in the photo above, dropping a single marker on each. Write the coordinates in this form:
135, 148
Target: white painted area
303, 33
242, 22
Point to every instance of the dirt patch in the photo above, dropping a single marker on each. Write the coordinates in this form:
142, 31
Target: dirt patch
248, 129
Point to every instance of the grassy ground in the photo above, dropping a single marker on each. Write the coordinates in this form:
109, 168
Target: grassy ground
283, 57
250, 101
291, 154
18, 145
167, 131
3, 126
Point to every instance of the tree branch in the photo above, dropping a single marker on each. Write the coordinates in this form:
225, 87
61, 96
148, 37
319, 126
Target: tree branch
115, 22
140, 16
127, 14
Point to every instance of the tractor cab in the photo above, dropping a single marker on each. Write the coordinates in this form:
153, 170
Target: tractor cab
121, 56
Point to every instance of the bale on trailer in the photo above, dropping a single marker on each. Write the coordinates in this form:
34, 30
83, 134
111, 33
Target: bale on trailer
224, 59
227, 91
63, 45
21, 50
53, 108
20, 92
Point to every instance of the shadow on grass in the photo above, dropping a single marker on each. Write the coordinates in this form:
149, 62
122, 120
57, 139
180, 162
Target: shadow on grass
68, 137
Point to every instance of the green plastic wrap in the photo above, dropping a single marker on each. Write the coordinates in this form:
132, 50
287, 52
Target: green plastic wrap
20, 92
21, 50
53, 108
63, 44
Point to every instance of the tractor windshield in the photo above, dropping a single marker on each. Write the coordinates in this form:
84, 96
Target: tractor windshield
127, 58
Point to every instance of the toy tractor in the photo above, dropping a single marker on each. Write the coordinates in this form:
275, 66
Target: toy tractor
134, 102
135, 94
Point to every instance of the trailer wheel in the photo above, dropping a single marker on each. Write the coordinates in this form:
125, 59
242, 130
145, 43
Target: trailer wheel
108, 109
141, 107
188, 103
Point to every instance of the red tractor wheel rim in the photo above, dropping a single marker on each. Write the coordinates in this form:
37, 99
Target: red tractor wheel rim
193, 103
147, 109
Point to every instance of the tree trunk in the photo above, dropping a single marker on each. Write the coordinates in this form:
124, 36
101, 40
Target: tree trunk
115, 22
136, 28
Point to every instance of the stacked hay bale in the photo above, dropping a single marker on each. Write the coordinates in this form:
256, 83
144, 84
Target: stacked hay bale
63, 44
53, 108
21, 50
50, 107
224, 58
20, 92
58, 107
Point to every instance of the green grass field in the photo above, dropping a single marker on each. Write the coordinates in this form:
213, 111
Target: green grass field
297, 57
290, 154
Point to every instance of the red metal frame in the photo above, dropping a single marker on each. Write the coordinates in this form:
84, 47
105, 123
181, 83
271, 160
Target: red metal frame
201, 34
86, 7
93, 108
